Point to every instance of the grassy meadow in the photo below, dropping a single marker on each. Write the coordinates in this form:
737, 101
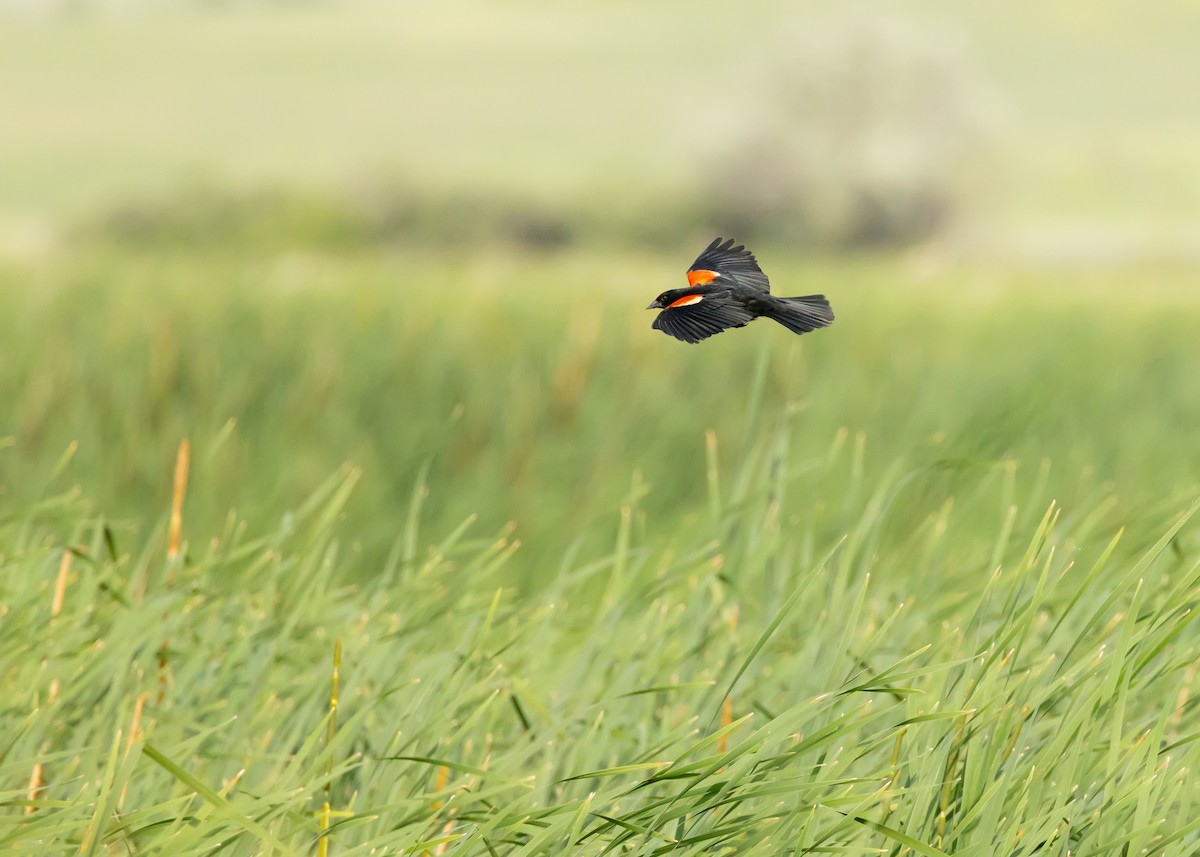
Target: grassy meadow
921, 583
350, 506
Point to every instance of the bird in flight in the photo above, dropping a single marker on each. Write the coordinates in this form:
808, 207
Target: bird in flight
725, 289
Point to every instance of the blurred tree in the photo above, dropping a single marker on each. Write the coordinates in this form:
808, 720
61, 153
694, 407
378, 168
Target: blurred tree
859, 139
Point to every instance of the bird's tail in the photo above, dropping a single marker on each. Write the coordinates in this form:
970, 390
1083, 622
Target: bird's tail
801, 315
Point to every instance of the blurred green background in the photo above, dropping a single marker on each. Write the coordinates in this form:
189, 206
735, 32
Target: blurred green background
405, 248
417, 237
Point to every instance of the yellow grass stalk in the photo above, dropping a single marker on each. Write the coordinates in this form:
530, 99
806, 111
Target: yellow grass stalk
174, 540
60, 585
330, 733
182, 462
36, 777
36, 784
726, 719
135, 732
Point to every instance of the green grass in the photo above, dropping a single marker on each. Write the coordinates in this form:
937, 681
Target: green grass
937, 558
530, 389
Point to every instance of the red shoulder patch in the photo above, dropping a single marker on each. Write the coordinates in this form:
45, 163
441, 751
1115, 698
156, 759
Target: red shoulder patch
701, 277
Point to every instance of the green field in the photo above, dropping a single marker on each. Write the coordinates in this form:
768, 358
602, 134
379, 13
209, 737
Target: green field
1091, 111
923, 583
934, 557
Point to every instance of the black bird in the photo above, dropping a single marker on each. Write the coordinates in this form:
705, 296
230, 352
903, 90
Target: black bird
726, 288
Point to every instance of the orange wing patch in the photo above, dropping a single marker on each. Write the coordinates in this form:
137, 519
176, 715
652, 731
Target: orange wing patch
701, 278
686, 300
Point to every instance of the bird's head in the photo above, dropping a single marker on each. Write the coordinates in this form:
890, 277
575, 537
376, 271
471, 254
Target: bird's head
676, 298
660, 301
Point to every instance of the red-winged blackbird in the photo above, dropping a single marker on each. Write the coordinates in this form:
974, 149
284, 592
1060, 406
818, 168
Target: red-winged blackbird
726, 288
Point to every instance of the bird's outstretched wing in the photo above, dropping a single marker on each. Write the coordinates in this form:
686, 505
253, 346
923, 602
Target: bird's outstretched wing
729, 259
702, 319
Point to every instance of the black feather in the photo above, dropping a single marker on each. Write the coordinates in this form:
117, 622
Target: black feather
732, 260
701, 320
801, 315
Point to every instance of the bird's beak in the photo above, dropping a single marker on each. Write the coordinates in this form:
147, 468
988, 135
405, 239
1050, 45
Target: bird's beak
655, 305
